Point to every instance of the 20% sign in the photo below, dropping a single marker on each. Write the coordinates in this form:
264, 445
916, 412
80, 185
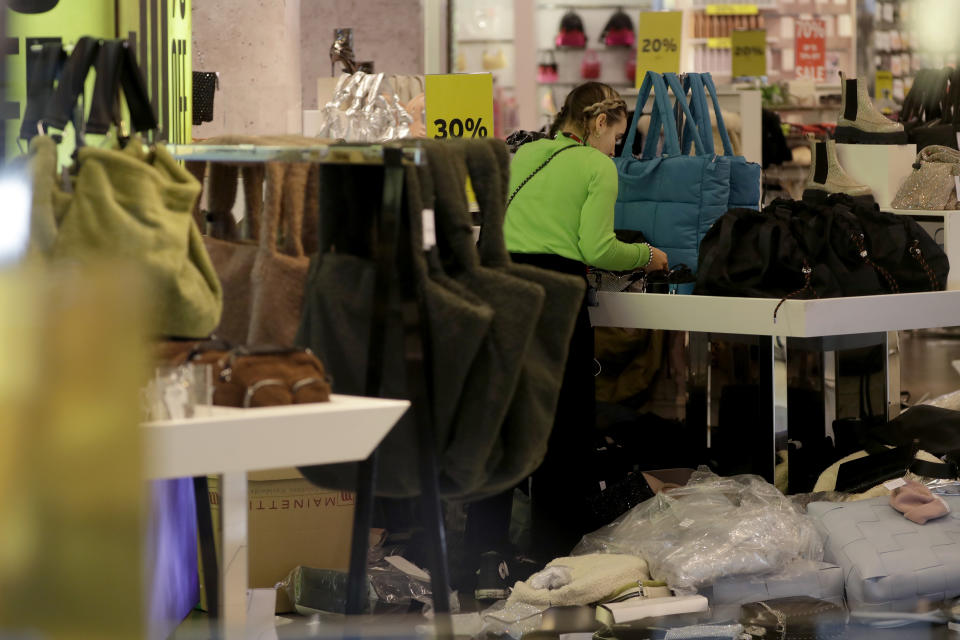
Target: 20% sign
659, 34
459, 105
656, 45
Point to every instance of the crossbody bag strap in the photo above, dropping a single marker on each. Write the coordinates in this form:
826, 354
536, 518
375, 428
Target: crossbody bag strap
536, 171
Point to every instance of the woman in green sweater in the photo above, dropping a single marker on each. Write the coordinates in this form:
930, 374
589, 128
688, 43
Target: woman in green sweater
560, 217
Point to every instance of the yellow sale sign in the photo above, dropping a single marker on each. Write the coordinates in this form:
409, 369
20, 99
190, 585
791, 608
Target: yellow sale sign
459, 105
749, 53
658, 43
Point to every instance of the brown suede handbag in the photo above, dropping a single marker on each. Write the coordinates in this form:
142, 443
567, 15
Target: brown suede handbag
233, 257
278, 278
254, 376
263, 284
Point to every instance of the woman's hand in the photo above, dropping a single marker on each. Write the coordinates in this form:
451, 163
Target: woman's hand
659, 262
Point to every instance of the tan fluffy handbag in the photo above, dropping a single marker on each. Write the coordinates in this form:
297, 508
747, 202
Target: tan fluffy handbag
279, 277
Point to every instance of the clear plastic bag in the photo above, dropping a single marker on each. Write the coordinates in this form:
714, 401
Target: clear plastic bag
511, 618
395, 587
714, 526
946, 401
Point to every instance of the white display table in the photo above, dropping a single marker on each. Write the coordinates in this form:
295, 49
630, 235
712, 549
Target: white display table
231, 442
827, 324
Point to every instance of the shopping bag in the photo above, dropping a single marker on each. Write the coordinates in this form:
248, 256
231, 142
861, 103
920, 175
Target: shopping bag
671, 197
745, 177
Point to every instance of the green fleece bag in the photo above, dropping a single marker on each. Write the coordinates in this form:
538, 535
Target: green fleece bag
136, 206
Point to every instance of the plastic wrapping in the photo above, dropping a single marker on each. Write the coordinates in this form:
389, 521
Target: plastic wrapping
365, 108
946, 401
320, 591
395, 587
939, 486
511, 618
713, 527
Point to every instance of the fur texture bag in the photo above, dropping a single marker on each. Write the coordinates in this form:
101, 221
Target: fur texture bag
158, 234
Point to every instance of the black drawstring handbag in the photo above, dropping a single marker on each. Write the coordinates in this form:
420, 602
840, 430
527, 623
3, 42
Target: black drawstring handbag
205, 85
839, 248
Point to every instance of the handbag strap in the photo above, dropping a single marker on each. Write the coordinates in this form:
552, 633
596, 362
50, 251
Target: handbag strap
536, 171
116, 69
701, 113
43, 68
663, 115
642, 96
721, 125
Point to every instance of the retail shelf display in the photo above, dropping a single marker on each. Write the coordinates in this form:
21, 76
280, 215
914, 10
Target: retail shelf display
708, 25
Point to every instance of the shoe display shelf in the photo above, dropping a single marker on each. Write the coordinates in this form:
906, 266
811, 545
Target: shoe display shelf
230, 442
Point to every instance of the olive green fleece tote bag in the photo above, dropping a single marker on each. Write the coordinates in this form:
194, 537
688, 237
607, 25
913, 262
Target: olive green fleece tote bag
136, 205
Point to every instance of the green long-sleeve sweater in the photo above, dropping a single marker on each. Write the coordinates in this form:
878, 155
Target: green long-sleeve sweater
567, 208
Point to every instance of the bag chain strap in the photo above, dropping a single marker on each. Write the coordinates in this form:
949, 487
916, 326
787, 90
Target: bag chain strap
536, 171
858, 240
807, 275
917, 255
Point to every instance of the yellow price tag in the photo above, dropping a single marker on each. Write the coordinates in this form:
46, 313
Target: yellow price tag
719, 43
732, 10
749, 53
884, 84
658, 43
459, 105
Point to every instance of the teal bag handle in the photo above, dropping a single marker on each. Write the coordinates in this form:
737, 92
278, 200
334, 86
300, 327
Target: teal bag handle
642, 96
662, 113
721, 127
665, 115
698, 105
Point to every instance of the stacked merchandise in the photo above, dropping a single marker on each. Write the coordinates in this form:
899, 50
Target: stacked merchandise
722, 552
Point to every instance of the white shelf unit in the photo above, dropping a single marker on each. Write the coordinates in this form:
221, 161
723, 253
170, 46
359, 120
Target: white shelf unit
479, 28
613, 60
230, 442
778, 18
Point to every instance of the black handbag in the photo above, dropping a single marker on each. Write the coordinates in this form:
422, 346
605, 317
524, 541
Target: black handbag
205, 85
931, 109
842, 247
799, 618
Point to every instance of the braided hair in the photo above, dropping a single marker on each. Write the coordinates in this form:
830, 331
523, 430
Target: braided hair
587, 101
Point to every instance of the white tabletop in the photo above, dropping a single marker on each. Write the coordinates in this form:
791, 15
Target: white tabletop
796, 318
346, 429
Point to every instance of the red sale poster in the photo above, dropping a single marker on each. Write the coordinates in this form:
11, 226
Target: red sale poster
811, 49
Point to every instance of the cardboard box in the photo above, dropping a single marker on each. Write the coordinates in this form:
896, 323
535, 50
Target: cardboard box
290, 522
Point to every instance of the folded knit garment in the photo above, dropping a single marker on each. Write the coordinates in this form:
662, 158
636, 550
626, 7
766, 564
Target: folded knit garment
916, 502
595, 577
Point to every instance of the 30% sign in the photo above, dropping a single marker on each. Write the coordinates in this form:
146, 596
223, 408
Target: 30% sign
459, 105
455, 128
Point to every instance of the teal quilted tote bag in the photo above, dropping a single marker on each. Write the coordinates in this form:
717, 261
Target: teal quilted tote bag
745, 177
671, 197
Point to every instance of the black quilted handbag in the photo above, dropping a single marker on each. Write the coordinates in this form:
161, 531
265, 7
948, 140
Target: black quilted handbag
205, 85
800, 618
